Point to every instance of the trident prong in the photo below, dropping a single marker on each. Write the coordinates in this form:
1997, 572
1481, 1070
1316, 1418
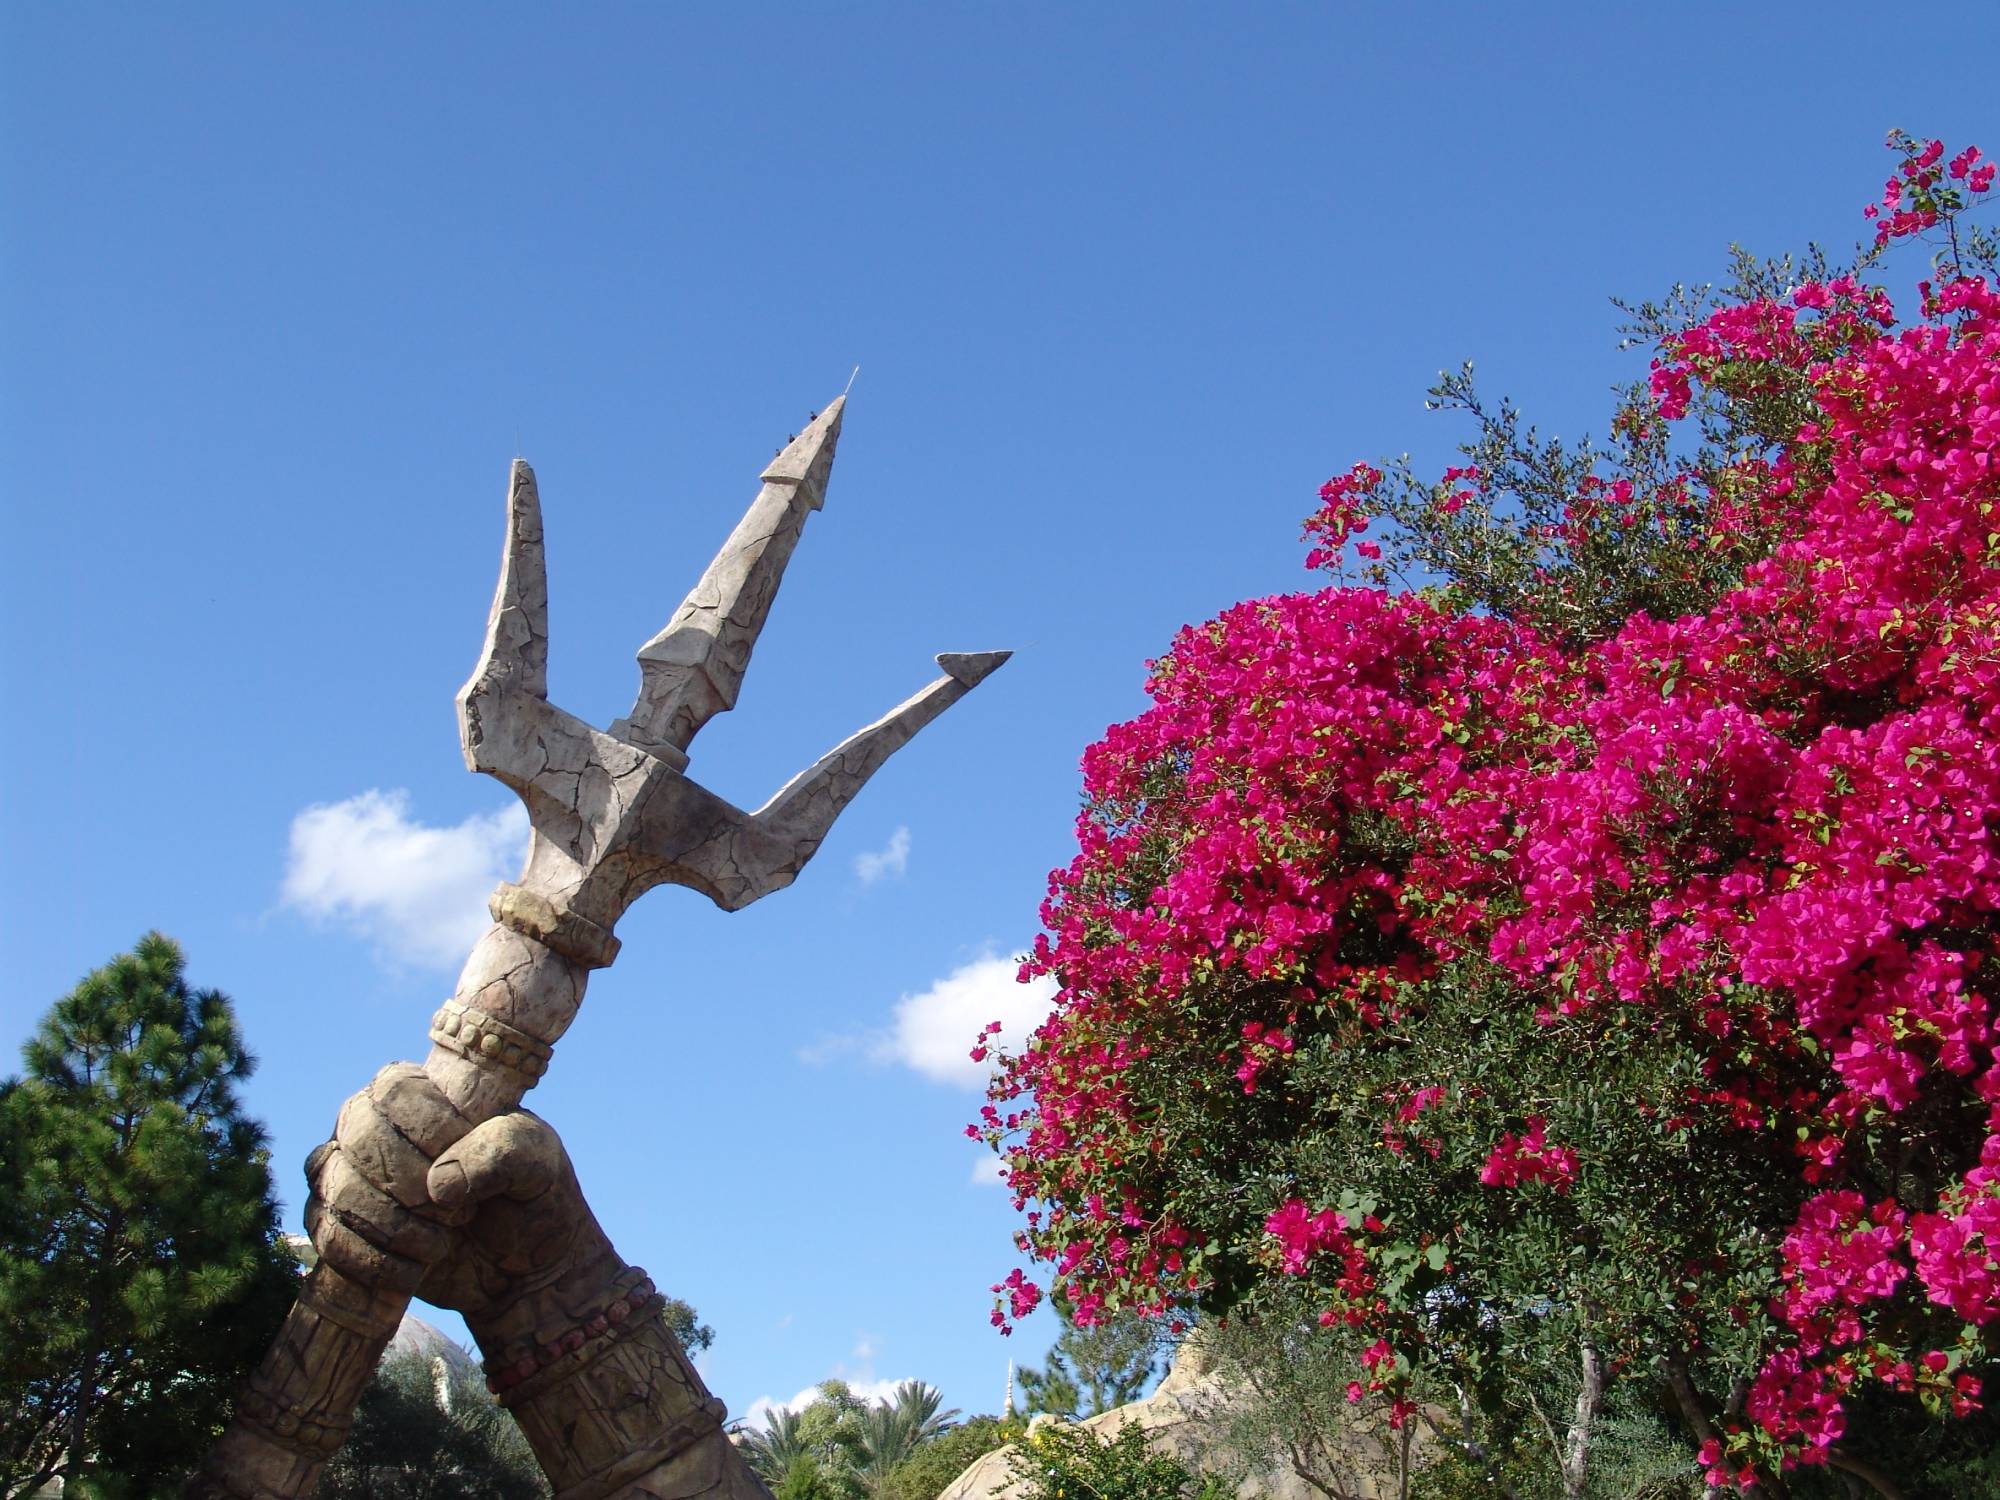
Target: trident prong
516, 655
693, 669
735, 858
612, 812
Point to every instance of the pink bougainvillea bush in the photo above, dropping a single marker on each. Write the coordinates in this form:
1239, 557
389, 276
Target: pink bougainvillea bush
1591, 944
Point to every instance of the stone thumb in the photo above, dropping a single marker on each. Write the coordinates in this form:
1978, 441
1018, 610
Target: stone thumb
516, 1155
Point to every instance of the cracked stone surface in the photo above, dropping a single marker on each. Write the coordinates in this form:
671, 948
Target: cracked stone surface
436, 1182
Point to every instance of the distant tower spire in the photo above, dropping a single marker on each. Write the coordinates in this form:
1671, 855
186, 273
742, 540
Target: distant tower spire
1007, 1407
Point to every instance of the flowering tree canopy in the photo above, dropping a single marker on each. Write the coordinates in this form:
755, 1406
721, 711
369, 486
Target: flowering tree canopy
1596, 942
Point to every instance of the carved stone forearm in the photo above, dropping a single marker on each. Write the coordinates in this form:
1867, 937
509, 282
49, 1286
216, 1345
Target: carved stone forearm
371, 1219
295, 1410
573, 1337
612, 1406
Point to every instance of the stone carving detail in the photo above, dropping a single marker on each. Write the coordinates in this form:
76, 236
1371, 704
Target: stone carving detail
436, 1182
490, 1042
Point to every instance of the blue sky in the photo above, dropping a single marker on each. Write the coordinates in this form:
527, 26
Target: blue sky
283, 289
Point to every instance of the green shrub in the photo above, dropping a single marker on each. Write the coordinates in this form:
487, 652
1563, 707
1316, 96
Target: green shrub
1061, 1462
925, 1473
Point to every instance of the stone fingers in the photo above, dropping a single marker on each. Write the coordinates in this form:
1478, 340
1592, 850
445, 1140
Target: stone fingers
515, 1155
531, 1221
371, 1213
354, 1254
355, 1206
417, 1108
393, 1130
370, 1142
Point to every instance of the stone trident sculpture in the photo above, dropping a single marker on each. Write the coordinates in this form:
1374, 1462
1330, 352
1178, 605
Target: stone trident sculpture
436, 1182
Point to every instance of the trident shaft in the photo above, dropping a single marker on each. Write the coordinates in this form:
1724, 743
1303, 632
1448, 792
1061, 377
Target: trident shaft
571, 1335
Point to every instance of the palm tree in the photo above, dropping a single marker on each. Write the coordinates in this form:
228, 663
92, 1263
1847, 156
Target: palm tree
781, 1444
893, 1429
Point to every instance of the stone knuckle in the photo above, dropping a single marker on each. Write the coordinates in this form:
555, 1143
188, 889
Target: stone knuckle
381, 1152
371, 1213
414, 1105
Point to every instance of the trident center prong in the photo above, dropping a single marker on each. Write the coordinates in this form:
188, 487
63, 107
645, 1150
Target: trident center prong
693, 669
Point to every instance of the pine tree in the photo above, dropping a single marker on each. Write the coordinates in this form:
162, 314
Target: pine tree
141, 1272
1092, 1369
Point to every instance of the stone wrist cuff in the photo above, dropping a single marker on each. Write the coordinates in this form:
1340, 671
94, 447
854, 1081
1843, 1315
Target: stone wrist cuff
521, 1370
610, 1399
313, 1434
490, 1042
575, 937
669, 1443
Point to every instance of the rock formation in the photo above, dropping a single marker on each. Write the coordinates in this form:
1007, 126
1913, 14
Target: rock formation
1190, 1415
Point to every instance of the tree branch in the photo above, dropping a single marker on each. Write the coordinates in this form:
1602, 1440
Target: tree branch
1866, 1472
1548, 1431
1305, 1472
1473, 1449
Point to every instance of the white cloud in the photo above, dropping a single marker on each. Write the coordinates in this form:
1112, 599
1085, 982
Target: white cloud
758, 1413
858, 1376
416, 893
986, 1170
872, 1391
892, 859
934, 1031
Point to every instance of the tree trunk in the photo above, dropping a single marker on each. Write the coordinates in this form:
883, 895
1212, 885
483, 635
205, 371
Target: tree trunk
79, 1422
1470, 1446
92, 1361
1576, 1452
1695, 1414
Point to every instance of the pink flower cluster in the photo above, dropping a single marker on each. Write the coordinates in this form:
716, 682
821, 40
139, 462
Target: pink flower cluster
1262, 1046
1909, 199
1302, 1234
1022, 1297
1342, 513
1840, 1256
1529, 1159
1777, 821
1957, 1254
